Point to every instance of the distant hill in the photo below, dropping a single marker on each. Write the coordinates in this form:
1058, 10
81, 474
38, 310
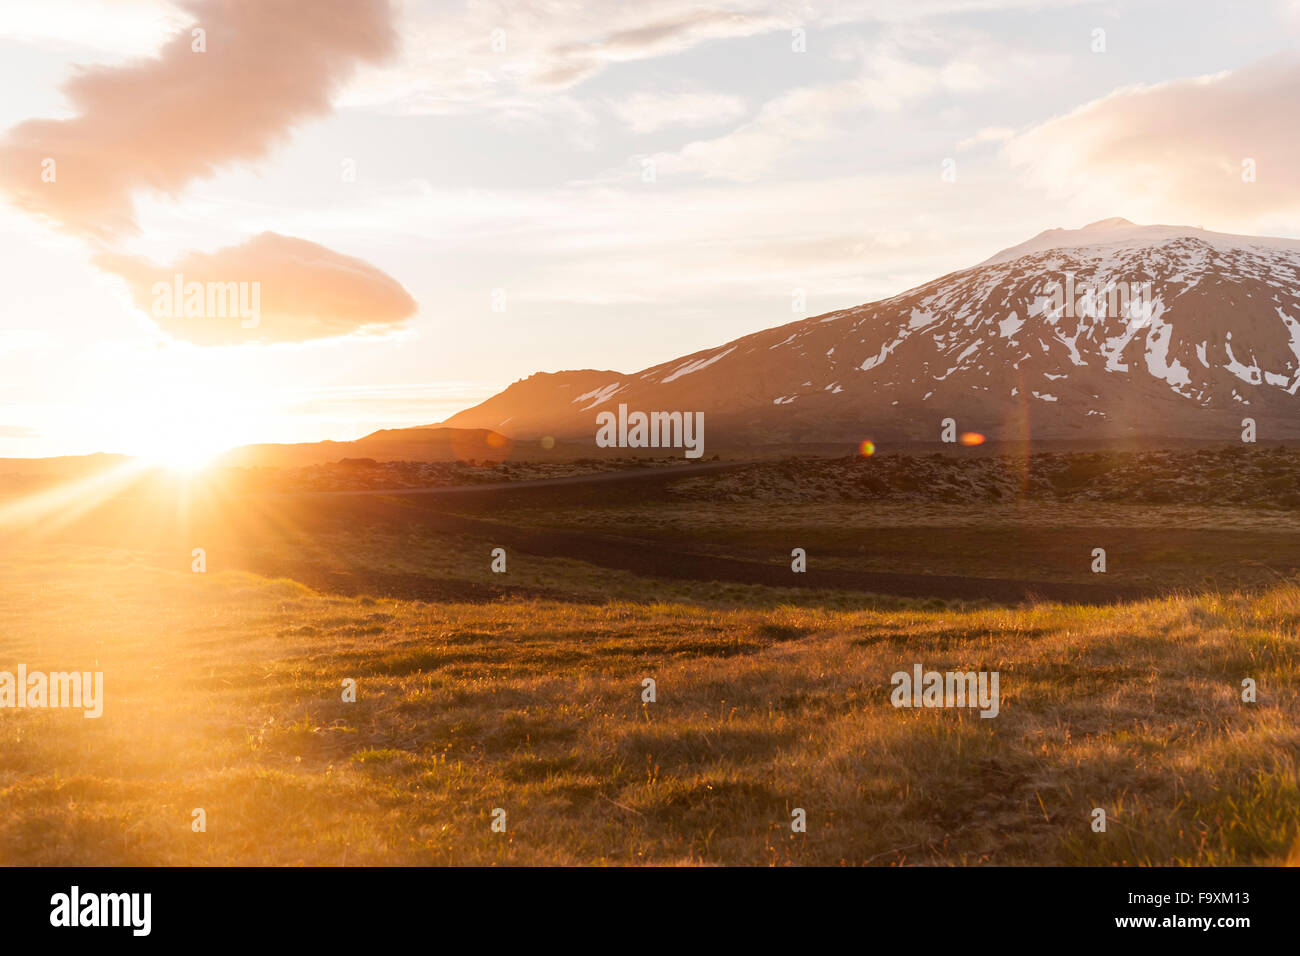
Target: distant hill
434, 443
63, 467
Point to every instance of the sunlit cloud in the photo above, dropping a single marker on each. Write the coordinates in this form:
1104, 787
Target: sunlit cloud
1220, 148
160, 123
299, 291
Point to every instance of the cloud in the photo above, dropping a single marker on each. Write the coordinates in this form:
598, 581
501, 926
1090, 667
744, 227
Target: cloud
1178, 150
160, 123
284, 290
669, 34
707, 249
448, 64
116, 28
11, 340
647, 112
987, 134
893, 74
480, 55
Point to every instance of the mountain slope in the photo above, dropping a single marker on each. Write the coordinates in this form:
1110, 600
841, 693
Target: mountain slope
1211, 335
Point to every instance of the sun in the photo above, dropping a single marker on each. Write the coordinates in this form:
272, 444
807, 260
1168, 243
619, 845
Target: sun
184, 457
181, 429
187, 437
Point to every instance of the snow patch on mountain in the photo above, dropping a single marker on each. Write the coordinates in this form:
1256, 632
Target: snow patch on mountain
1108, 236
691, 367
601, 395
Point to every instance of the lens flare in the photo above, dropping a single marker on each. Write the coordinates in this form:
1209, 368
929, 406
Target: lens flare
867, 449
972, 438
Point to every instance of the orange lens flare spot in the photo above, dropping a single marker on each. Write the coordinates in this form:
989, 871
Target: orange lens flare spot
867, 449
972, 438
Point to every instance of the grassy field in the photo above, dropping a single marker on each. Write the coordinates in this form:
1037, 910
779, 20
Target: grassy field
224, 692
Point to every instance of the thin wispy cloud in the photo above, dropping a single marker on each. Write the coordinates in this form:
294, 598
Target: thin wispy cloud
892, 75
646, 112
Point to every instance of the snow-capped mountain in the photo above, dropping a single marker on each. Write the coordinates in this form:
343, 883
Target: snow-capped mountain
1110, 330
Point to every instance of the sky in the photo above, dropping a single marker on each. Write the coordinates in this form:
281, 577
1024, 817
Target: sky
434, 199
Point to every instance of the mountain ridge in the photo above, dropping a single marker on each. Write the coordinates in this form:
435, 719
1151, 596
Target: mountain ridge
1214, 338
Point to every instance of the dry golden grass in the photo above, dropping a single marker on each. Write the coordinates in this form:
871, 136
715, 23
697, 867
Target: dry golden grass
223, 691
